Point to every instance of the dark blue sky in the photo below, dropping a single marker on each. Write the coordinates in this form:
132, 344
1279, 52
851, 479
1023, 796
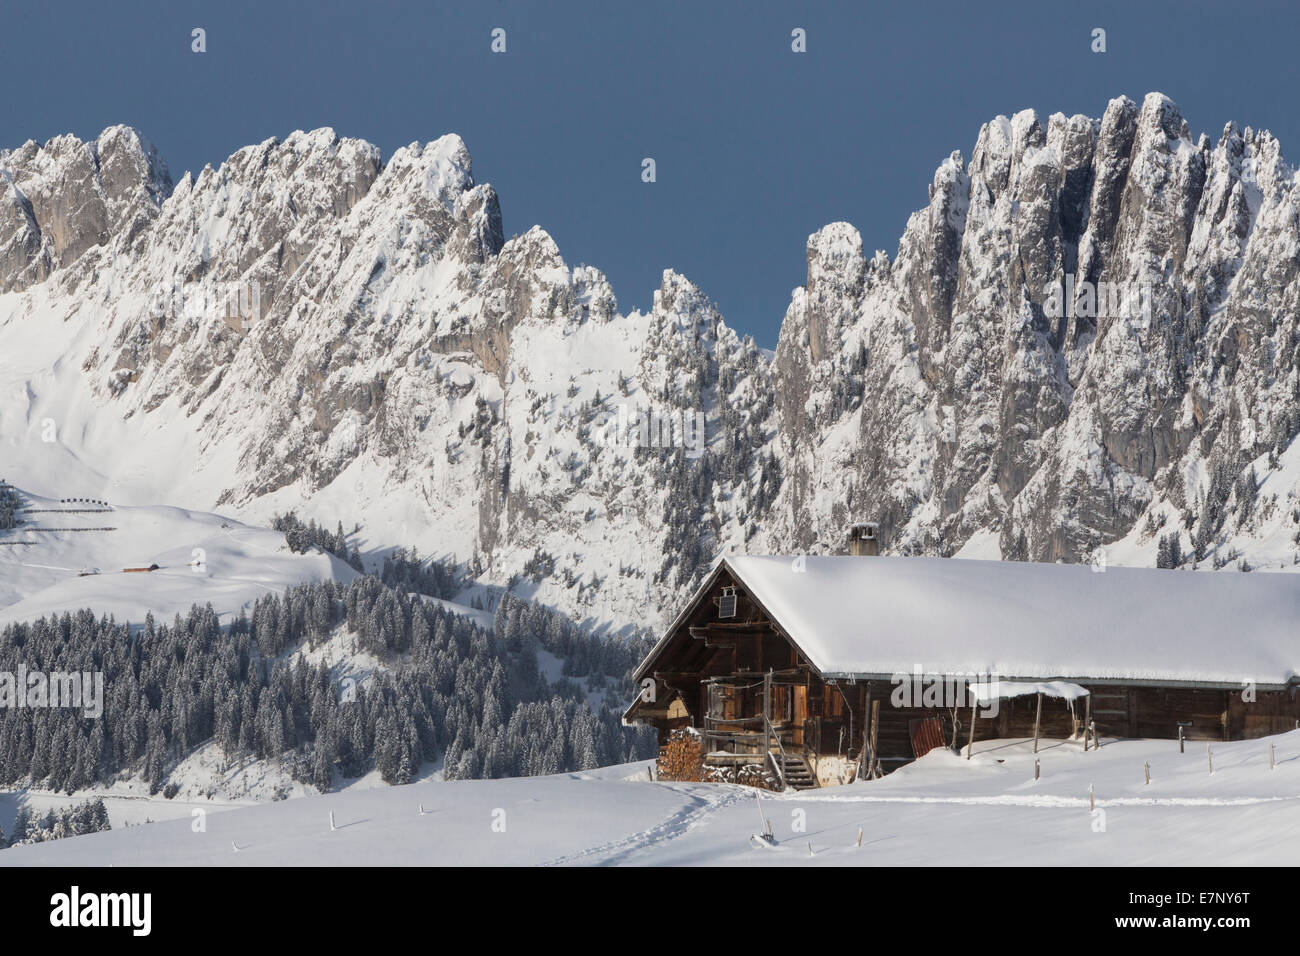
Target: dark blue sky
755, 146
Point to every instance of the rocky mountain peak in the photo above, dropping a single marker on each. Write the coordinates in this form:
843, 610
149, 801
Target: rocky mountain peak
68, 196
1089, 337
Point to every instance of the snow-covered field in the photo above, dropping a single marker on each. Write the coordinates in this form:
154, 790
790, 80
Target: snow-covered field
202, 558
942, 810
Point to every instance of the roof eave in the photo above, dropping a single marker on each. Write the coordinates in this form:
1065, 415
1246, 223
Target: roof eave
864, 676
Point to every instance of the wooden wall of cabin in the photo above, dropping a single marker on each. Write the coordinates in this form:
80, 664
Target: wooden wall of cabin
835, 717
1203, 713
1119, 711
705, 646
1274, 712
1158, 712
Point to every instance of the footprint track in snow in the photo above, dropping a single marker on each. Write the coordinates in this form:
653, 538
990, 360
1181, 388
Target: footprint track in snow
702, 806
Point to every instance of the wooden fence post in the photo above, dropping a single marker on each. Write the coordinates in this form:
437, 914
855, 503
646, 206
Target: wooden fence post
867, 753
970, 743
875, 737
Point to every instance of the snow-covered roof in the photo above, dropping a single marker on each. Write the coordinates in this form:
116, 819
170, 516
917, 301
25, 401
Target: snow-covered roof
887, 615
1001, 689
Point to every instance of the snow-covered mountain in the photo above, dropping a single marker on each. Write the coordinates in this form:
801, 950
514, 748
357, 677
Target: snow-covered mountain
309, 327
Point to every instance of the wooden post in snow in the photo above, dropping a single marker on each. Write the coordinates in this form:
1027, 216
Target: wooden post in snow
1038, 719
1270, 755
875, 736
1209, 755
1087, 721
970, 744
1182, 744
867, 753
1146, 769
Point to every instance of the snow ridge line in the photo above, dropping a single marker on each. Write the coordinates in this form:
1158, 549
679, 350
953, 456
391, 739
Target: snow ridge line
703, 805
1047, 800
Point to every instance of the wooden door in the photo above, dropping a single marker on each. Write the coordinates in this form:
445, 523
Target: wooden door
800, 713
1110, 711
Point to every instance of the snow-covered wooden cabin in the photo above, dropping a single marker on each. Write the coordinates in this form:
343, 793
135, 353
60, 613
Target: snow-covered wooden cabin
813, 670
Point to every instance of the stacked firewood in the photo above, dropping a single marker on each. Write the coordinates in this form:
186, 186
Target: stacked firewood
680, 758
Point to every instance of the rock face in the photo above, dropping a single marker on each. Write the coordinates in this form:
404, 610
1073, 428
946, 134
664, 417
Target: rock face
1167, 357
1088, 338
62, 198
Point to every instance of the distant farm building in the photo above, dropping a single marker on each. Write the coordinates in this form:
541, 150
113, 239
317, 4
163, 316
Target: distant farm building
808, 671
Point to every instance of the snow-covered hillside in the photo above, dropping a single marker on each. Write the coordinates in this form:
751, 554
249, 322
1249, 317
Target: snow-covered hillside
942, 811
234, 663
74, 554
309, 326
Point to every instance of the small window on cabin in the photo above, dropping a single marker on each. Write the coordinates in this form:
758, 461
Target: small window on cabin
727, 603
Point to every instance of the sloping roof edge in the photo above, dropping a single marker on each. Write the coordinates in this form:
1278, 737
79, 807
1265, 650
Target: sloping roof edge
640, 673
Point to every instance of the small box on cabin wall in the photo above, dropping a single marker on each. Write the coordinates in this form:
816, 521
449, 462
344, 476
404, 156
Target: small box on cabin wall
727, 603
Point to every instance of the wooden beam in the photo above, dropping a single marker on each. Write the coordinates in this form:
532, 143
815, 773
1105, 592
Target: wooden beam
1038, 720
679, 677
865, 758
875, 727
767, 714
970, 744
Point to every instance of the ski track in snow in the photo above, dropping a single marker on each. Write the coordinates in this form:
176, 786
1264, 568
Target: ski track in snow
703, 805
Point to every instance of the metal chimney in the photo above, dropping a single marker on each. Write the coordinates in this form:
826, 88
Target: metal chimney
864, 538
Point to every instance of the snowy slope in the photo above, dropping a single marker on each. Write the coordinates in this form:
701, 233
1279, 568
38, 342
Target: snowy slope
202, 558
942, 810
